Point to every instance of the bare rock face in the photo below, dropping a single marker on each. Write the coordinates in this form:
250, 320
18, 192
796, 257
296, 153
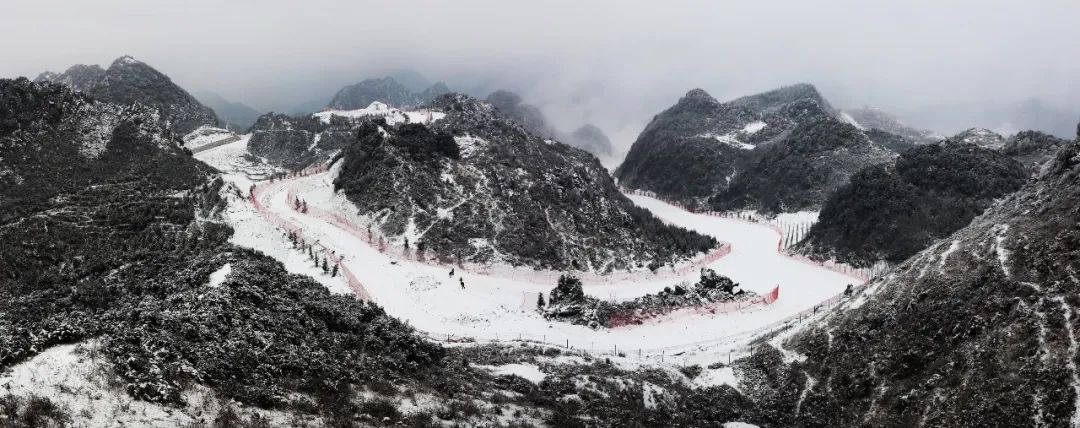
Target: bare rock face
128, 81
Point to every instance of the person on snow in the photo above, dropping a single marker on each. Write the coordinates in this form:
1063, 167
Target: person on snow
462, 280
451, 272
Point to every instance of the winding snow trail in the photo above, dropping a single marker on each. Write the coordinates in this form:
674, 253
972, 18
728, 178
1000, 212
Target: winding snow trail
490, 307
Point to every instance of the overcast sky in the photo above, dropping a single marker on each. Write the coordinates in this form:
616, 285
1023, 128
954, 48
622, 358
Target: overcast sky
612, 63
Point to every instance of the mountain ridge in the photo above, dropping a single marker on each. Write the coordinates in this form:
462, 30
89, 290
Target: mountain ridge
129, 81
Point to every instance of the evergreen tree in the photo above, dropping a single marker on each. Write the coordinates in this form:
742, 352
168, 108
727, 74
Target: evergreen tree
325, 267
540, 301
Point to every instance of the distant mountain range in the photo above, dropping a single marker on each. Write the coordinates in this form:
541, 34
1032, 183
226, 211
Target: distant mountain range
588, 137
1002, 118
235, 116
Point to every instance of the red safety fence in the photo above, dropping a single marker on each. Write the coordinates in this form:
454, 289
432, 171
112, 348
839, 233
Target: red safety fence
256, 194
355, 284
384, 244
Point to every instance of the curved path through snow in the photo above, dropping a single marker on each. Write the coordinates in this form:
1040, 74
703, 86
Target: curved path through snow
490, 306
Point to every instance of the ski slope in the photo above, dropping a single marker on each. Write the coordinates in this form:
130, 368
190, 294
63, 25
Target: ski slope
490, 307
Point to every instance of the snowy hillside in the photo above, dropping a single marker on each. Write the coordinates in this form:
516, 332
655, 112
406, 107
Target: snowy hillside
892, 211
977, 330
474, 186
779, 151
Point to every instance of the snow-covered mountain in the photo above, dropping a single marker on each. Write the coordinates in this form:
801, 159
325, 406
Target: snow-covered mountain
1002, 117
476, 186
1034, 149
782, 150
385, 90
113, 239
892, 211
977, 330
981, 137
129, 81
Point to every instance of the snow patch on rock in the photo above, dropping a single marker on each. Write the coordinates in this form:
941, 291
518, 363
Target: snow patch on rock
220, 275
527, 371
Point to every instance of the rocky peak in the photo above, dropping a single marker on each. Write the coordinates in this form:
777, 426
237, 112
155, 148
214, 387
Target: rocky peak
80, 77
981, 137
778, 98
129, 81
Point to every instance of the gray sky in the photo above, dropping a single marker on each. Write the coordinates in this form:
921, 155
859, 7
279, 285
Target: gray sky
612, 63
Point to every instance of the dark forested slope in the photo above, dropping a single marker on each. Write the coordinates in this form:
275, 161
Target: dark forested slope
891, 211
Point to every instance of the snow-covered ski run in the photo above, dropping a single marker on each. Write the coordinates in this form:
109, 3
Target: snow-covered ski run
490, 307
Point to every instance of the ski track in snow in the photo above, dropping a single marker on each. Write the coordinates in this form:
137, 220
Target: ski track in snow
491, 307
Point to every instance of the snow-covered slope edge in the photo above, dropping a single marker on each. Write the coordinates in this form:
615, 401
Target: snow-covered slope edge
977, 330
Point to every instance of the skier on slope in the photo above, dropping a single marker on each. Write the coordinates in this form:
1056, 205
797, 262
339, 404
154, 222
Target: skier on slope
451, 272
462, 280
